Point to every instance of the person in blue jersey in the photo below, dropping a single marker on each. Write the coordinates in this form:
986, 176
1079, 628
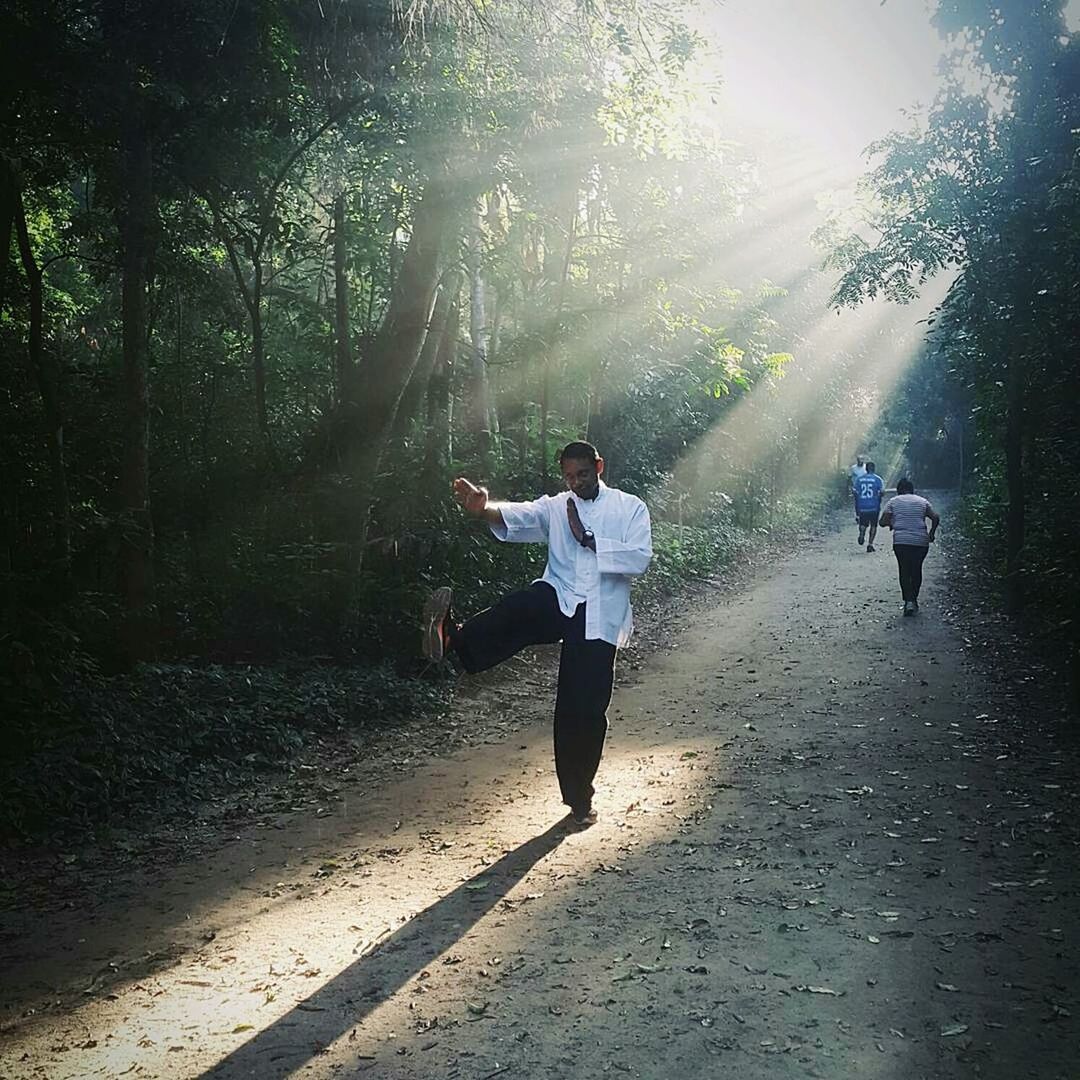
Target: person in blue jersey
868, 489
598, 538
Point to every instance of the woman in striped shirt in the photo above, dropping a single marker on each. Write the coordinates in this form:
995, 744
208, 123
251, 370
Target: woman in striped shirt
906, 514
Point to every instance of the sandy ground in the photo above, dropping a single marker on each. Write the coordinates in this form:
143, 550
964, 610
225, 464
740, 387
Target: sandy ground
833, 842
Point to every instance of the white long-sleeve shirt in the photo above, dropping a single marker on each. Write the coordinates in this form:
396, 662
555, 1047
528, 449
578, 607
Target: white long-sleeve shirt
600, 579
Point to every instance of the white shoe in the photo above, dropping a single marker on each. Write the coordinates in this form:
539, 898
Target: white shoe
910, 607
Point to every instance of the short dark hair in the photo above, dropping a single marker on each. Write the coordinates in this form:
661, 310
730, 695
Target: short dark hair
579, 451
904, 486
871, 467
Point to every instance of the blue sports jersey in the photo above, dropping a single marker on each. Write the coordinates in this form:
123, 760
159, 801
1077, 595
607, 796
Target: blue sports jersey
868, 488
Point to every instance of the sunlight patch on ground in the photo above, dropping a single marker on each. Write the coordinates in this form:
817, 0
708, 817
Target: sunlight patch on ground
303, 955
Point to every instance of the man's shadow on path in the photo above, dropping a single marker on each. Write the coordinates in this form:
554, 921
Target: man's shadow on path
314, 1023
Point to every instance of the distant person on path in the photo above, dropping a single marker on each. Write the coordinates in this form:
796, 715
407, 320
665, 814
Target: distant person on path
868, 489
856, 470
598, 539
906, 514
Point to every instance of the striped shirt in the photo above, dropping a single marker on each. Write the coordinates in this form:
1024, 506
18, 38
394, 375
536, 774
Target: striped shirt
909, 519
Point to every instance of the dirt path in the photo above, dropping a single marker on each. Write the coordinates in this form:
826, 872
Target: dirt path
833, 843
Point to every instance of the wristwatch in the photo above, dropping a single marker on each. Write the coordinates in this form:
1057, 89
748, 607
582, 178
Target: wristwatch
588, 540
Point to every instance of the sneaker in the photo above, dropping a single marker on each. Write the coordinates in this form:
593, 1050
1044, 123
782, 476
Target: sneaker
436, 614
869, 548
862, 539
915, 604
910, 607
583, 816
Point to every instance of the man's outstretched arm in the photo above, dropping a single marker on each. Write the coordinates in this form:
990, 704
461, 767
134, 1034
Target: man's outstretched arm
474, 500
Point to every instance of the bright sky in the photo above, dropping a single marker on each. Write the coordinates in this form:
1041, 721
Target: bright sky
832, 73
806, 85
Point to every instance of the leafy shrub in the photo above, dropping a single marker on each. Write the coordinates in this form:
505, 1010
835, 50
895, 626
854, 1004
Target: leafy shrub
107, 744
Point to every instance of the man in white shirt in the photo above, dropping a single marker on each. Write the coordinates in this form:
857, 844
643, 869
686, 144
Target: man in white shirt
854, 472
598, 539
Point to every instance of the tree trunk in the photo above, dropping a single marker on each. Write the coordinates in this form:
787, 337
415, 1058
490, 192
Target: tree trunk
9, 193
9, 543
346, 382
479, 406
961, 480
493, 353
46, 371
1014, 484
415, 392
135, 220
394, 355
253, 297
258, 355
497, 312
545, 406
594, 424
438, 451
1020, 259
554, 337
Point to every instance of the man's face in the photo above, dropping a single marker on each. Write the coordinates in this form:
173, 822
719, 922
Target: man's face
582, 477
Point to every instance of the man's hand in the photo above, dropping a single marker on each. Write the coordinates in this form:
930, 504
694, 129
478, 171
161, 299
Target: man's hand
575, 522
472, 499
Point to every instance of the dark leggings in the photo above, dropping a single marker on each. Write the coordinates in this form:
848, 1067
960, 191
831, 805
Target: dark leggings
909, 558
532, 616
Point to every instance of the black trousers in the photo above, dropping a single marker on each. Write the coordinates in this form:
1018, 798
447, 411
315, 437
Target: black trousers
909, 558
532, 616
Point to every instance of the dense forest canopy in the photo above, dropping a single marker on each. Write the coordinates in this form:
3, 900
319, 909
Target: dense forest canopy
274, 273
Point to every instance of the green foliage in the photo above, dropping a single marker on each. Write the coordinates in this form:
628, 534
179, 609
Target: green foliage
107, 745
684, 552
712, 540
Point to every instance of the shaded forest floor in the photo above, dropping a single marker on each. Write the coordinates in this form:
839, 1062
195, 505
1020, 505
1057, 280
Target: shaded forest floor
833, 842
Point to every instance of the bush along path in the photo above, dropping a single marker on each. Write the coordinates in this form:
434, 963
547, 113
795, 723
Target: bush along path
833, 842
